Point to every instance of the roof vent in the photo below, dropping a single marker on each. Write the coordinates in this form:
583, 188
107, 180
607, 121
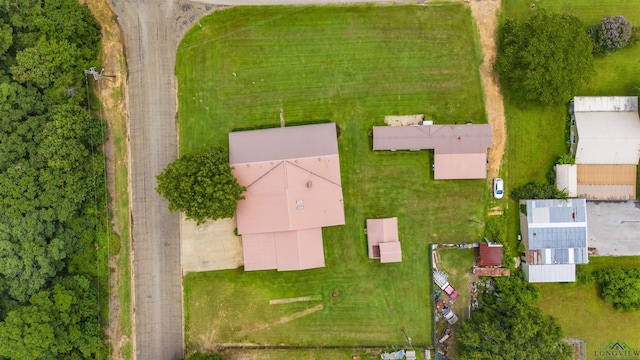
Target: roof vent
299, 201
309, 184
301, 207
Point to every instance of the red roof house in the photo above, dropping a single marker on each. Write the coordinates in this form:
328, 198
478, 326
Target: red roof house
382, 239
292, 176
460, 151
490, 254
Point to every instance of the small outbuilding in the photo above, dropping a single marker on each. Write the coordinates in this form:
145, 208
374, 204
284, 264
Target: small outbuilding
554, 235
490, 271
460, 151
383, 241
491, 254
567, 179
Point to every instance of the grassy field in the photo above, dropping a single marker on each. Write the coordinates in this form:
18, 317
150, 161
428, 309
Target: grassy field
352, 65
599, 322
536, 137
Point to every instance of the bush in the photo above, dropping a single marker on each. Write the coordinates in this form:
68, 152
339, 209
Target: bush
532, 191
495, 229
566, 159
621, 287
611, 34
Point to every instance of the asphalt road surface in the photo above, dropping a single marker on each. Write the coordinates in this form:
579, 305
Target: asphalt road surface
152, 29
150, 52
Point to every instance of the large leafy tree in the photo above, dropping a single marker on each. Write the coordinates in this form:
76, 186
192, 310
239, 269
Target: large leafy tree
545, 58
621, 287
201, 186
508, 325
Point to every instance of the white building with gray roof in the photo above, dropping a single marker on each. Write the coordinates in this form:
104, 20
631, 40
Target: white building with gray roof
554, 234
605, 139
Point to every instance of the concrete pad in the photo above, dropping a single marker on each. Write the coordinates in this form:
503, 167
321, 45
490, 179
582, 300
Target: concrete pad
210, 246
614, 227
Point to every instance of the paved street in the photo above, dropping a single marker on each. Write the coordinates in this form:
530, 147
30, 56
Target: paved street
150, 52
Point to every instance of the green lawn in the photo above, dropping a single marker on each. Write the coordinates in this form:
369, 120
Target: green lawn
535, 137
599, 323
352, 65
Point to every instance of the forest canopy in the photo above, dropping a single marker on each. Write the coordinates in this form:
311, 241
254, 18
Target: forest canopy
52, 214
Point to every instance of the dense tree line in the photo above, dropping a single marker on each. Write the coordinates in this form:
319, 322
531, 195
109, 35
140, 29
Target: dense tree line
508, 325
52, 212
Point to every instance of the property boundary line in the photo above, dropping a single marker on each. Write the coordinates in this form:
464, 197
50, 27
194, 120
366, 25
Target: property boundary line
315, 347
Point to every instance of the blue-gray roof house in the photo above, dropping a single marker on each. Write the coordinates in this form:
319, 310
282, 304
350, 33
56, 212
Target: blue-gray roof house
554, 234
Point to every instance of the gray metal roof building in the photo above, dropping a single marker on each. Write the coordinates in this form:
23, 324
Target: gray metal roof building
554, 232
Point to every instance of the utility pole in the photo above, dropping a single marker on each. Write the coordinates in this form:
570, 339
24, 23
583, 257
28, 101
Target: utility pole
96, 76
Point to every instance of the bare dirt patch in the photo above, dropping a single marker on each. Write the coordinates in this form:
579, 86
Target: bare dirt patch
297, 299
110, 91
485, 14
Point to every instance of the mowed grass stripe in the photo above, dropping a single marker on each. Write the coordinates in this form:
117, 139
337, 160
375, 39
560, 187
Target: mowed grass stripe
351, 65
312, 61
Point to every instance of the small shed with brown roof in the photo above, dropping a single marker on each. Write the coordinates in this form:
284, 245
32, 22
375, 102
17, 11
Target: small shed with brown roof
490, 271
490, 254
460, 151
292, 176
382, 239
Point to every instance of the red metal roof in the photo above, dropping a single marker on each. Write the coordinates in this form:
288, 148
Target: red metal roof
390, 252
490, 255
460, 150
460, 166
490, 271
284, 251
382, 240
292, 176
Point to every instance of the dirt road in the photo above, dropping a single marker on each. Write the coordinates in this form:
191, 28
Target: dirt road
485, 14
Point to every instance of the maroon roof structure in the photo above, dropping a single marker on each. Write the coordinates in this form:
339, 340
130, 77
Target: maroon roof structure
460, 151
493, 272
490, 254
292, 176
382, 240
